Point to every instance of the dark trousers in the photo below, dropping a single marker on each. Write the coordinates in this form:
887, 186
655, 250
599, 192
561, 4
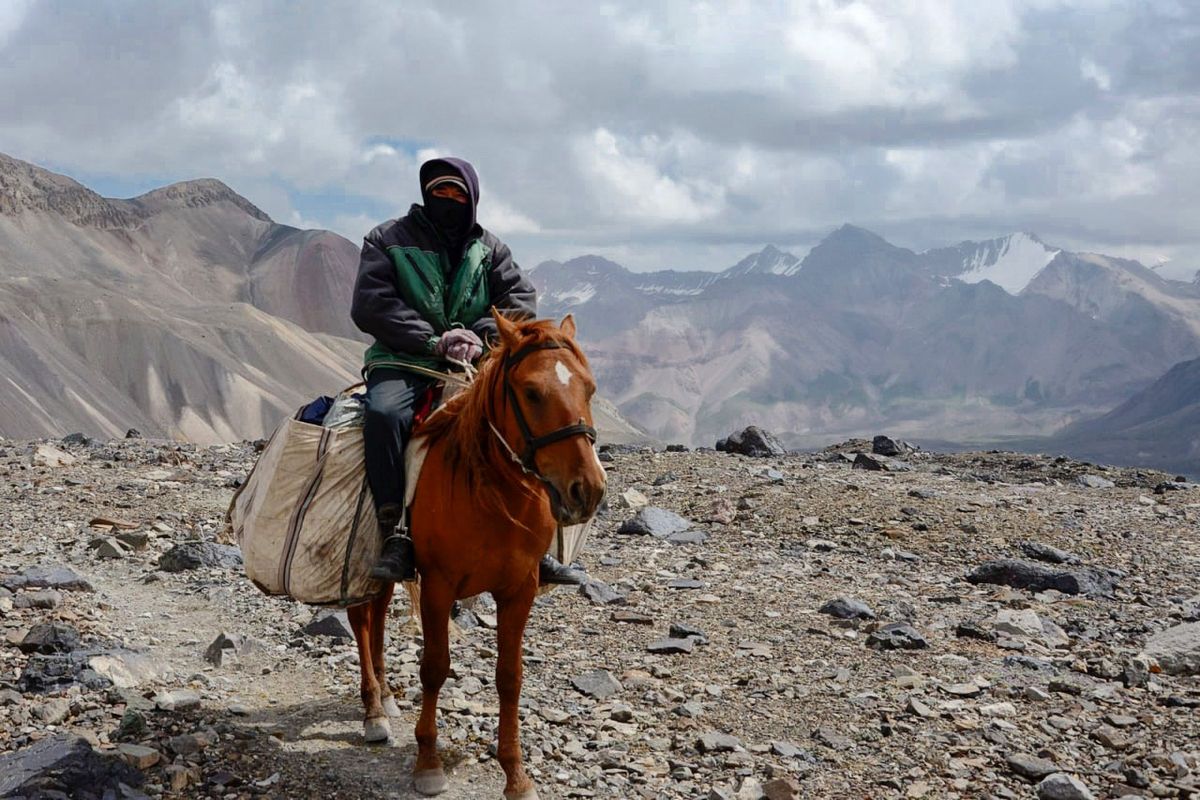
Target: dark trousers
392, 395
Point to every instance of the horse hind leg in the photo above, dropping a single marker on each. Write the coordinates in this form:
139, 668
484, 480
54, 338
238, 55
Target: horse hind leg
376, 727
379, 612
412, 625
429, 777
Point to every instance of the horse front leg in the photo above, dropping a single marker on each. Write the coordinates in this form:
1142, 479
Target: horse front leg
512, 613
376, 727
436, 599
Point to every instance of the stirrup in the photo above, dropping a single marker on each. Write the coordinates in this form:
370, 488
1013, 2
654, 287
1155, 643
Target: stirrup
399, 565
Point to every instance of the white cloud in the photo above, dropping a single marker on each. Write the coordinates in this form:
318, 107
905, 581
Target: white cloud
682, 132
12, 16
632, 185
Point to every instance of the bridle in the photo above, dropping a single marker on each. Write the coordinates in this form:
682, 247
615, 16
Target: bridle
526, 459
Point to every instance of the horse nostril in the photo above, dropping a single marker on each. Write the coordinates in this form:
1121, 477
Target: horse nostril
576, 494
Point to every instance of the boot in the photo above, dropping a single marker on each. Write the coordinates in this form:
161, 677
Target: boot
396, 562
550, 571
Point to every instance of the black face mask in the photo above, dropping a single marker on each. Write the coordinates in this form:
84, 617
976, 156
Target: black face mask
450, 217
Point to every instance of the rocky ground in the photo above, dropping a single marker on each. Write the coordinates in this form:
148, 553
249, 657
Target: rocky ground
829, 625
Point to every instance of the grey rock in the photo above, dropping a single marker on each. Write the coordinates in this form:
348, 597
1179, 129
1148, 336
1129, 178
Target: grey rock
1176, 649
656, 522
44, 599
329, 622
50, 637
1030, 766
847, 608
870, 463
597, 684
897, 636
752, 441
177, 700
717, 743
135, 540
600, 593
682, 630
47, 672
64, 766
688, 537
1038, 578
199, 555
132, 727
1094, 482
885, 446
789, 750
226, 645
126, 669
832, 738
685, 583
671, 646
53, 711
51, 577
1061, 786
1047, 553
109, 549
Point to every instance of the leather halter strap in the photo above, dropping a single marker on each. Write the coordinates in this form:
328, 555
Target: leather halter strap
534, 443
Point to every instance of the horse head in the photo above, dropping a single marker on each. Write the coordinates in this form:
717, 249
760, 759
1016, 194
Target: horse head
547, 420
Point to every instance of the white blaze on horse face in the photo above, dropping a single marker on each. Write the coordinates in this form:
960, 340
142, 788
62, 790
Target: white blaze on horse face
564, 374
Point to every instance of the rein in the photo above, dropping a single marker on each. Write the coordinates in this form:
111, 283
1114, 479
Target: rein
526, 460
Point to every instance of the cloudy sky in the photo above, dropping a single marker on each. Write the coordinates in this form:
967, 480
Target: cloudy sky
678, 135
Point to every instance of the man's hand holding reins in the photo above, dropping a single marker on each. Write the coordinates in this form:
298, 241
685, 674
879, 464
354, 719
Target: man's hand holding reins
459, 344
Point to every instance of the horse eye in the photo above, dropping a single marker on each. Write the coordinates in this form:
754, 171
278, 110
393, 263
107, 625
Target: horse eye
532, 396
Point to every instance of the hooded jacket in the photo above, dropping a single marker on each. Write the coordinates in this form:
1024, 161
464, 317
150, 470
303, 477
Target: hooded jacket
408, 292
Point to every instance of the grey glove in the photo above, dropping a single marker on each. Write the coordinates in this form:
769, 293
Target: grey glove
459, 344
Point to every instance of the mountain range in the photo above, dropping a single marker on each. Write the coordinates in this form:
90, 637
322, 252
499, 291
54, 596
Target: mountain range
1009, 336
188, 313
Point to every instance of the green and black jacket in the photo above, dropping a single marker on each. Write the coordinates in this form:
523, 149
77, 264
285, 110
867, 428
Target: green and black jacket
408, 293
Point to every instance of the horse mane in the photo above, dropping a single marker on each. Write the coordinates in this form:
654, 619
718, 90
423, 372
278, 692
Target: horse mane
461, 425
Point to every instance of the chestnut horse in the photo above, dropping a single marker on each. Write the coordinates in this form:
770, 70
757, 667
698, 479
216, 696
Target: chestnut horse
509, 459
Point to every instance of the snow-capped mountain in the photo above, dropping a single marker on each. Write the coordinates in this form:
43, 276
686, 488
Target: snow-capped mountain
768, 261
1008, 336
1010, 262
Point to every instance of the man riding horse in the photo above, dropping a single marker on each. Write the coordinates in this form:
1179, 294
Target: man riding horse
426, 284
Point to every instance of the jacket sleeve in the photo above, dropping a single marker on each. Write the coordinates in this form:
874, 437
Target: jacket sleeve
379, 310
511, 292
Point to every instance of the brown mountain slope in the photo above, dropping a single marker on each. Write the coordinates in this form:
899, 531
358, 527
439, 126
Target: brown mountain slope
185, 312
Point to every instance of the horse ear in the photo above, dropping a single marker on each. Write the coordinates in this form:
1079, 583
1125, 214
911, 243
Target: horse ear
505, 327
567, 325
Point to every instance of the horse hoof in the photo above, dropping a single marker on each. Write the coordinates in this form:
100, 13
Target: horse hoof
390, 708
528, 794
377, 729
430, 782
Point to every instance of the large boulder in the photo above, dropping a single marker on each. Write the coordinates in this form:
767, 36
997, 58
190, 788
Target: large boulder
886, 446
64, 766
1177, 649
199, 555
656, 522
752, 441
46, 577
1038, 578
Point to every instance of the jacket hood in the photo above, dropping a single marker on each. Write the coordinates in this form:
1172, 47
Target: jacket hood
459, 168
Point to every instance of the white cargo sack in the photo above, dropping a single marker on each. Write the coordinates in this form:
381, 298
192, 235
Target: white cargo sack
305, 519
